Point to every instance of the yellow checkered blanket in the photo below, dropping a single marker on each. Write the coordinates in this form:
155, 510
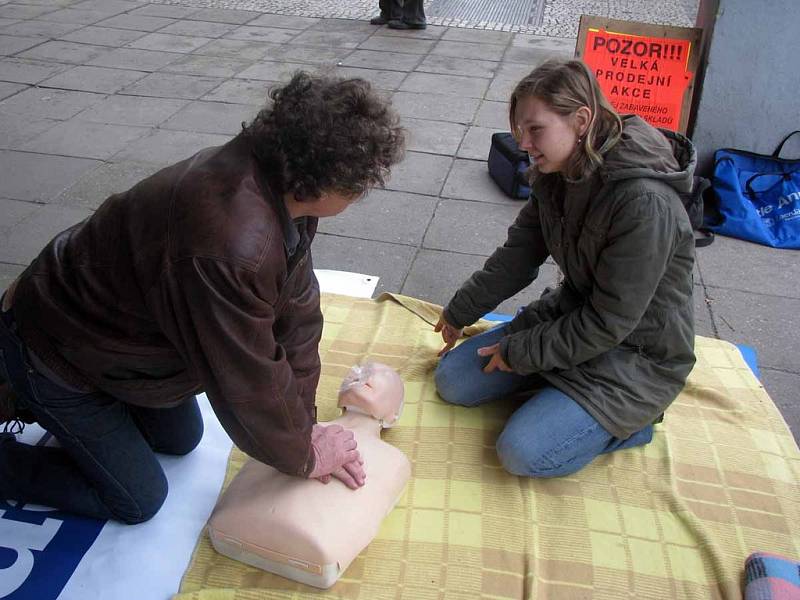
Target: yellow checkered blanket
674, 519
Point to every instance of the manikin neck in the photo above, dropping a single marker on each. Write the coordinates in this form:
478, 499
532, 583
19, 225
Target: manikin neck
351, 419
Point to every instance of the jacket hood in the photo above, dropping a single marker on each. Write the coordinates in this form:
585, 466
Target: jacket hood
644, 151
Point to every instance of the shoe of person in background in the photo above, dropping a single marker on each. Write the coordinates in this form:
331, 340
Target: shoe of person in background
379, 20
397, 24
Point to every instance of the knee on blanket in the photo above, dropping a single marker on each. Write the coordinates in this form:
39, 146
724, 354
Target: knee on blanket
519, 460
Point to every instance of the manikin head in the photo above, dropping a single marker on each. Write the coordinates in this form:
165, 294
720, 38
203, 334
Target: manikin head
373, 389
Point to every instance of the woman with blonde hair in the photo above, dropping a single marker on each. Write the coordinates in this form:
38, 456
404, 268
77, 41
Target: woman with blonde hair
605, 353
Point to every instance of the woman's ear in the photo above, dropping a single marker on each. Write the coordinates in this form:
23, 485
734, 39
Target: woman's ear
583, 118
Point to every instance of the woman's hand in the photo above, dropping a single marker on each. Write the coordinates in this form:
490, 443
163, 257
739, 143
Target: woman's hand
450, 334
496, 361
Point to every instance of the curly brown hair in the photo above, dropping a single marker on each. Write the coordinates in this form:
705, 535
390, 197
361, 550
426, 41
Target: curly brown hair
326, 134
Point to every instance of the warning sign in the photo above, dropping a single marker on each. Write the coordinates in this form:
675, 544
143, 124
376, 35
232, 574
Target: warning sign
643, 69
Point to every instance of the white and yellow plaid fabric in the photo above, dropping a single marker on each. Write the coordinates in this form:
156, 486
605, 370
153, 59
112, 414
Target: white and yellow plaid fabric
674, 519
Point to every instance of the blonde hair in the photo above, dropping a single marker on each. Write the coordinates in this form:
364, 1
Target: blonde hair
565, 86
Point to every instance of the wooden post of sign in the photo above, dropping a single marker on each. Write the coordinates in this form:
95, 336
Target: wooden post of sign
645, 69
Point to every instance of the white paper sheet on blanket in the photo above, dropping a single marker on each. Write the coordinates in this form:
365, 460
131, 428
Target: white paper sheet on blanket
47, 554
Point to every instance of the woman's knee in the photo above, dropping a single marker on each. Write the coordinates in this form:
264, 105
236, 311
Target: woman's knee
188, 441
453, 386
530, 460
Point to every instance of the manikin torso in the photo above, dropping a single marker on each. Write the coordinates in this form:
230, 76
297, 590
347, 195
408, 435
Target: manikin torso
306, 530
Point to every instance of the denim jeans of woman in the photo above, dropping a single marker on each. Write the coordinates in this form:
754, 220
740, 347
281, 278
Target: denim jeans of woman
105, 465
550, 435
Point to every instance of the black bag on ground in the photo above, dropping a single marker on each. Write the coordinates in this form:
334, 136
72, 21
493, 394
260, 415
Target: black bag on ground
508, 165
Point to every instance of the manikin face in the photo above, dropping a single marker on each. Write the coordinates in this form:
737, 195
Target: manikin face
547, 137
374, 389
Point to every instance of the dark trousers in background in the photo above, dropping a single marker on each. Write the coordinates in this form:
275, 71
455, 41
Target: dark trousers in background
106, 467
410, 11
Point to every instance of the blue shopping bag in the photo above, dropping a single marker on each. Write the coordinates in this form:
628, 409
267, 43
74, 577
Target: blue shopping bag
758, 196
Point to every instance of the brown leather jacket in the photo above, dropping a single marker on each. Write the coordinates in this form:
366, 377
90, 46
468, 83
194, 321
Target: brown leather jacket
183, 284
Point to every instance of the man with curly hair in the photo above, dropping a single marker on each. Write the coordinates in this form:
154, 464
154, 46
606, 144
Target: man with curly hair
198, 278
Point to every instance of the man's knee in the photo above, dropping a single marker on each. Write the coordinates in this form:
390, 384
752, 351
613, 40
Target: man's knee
189, 440
141, 504
450, 384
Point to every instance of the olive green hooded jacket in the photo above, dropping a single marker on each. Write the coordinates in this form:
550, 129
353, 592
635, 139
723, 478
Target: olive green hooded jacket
617, 335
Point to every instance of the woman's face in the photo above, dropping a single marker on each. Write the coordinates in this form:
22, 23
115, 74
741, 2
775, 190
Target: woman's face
547, 137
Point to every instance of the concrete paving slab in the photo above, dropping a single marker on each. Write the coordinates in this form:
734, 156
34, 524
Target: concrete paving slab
172, 85
49, 103
206, 29
9, 89
272, 35
33, 28
374, 59
10, 44
430, 106
212, 117
15, 132
768, 323
136, 22
8, 273
162, 42
39, 177
383, 80
434, 137
272, 71
65, 52
164, 147
476, 143
470, 227
703, 320
501, 88
783, 388
436, 275
131, 58
240, 91
239, 49
420, 173
449, 65
283, 21
468, 50
477, 36
451, 85
13, 212
6, 22
432, 32
24, 11
493, 114
342, 39
85, 139
513, 71
470, 180
132, 110
103, 36
92, 189
80, 17
306, 54
115, 6
384, 216
548, 43
93, 79
222, 15
397, 44
164, 10
343, 26
390, 262
211, 66
532, 56
748, 267
18, 70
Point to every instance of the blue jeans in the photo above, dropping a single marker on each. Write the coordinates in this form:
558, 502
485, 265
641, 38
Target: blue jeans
106, 467
550, 435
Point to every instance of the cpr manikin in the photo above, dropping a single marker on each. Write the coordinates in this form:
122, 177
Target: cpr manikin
303, 529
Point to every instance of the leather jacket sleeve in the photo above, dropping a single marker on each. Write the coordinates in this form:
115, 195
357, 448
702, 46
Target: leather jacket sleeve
511, 268
226, 329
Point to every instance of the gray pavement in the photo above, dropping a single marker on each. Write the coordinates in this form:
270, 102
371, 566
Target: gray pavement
97, 94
